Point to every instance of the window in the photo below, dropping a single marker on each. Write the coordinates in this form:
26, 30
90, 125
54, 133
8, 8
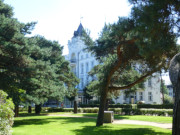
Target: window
81, 56
141, 96
87, 67
150, 96
92, 64
87, 79
73, 57
124, 97
82, 82
87, 56
135, 96
82, 68
149, 82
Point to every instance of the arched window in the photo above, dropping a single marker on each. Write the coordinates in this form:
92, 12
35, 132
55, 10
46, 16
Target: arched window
73, 57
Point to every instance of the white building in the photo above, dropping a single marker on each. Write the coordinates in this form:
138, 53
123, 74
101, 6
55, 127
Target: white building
150, 95
82, 62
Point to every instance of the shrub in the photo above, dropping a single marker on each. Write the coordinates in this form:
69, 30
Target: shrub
6, 114
168, 99
155, 106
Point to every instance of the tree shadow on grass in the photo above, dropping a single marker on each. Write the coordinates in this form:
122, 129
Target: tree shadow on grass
44, 120
105, 130
18, 123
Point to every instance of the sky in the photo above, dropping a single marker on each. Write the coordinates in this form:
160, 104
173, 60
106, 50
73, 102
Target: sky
58, 19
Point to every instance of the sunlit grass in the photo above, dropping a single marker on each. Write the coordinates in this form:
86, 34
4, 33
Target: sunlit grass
50, 125
158, 119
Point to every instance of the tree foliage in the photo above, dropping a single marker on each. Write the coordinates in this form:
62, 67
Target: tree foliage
31, 68
134, 48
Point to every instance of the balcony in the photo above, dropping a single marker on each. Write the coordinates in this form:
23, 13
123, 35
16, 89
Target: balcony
73, 60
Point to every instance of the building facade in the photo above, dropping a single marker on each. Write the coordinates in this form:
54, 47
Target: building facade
82, 62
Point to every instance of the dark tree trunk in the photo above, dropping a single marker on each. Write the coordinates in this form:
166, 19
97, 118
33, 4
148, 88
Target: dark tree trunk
107, 105
100, 118
16, 111
75, 106
176, 111
38, 109
29, 109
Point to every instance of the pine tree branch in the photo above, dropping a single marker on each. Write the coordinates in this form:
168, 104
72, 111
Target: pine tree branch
113, 88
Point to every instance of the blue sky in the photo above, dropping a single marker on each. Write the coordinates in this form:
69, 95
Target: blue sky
57, 19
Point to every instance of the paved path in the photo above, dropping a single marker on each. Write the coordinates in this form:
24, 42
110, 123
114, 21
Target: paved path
137, 122
116, 121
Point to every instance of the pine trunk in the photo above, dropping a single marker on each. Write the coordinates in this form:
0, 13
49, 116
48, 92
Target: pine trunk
176, 112
29, 109
16, 111
75, 106
38, 109
100, 118
107, 105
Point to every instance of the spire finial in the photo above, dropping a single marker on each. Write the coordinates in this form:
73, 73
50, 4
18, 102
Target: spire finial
81, 18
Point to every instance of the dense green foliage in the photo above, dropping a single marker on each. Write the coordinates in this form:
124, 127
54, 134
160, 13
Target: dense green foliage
135, 47
6, 114
32, 69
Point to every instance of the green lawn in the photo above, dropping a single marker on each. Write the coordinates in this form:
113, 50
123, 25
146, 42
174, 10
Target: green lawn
49, 125
159, 119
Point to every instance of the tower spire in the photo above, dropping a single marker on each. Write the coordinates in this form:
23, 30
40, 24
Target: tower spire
79, 31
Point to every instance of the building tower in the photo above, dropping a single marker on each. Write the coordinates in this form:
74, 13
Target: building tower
81, 62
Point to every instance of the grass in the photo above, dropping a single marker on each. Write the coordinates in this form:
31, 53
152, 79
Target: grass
49, 125
158, 119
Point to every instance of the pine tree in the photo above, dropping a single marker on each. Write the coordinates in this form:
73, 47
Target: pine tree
138, 46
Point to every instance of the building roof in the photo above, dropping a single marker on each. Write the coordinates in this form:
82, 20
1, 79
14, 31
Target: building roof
79, 31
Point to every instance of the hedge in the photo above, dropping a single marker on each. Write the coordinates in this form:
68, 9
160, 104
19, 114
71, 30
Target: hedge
122, 111
156, 106
131, 106
110, 106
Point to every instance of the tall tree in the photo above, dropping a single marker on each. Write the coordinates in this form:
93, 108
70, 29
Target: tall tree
143, 43
31, 66
53, 78
14, 52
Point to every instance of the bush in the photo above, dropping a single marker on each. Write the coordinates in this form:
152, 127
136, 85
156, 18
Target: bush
155, 106
168, 99
132, 106
6, 114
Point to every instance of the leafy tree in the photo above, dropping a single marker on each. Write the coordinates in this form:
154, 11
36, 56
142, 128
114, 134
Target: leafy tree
137, 46
168, 99
6, 115
14, 52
